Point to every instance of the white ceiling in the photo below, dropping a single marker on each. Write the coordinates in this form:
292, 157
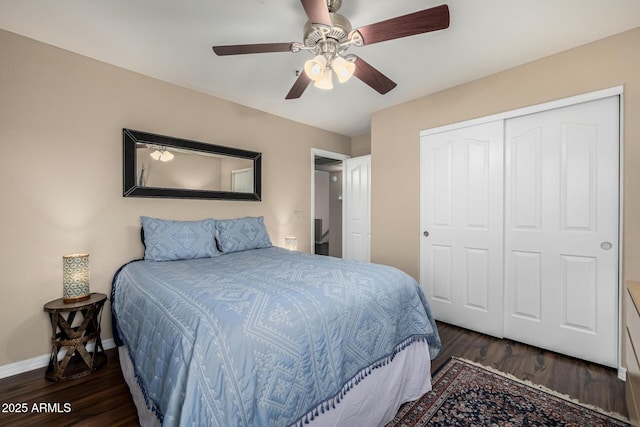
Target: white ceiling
171, 40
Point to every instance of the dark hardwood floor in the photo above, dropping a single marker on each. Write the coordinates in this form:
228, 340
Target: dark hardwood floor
103, 399
589, 383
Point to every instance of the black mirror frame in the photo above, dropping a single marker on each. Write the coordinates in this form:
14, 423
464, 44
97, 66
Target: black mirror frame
130, 140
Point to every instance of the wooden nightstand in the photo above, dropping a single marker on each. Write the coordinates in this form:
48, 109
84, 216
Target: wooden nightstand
74, 337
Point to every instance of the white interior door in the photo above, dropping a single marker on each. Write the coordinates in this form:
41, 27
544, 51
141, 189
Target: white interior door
357, 208
242, 180
561, 230
461, 220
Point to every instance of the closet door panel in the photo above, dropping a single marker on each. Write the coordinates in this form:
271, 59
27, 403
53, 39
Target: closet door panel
442, 181
525, 180
579, 284
579, 180
477, 289
565, 162
441, 273
526, 282
461, 219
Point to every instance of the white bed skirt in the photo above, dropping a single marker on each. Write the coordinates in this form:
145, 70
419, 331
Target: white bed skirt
373, 402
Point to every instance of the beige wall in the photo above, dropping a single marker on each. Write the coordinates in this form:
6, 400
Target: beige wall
361, 145
395, 137
61, 119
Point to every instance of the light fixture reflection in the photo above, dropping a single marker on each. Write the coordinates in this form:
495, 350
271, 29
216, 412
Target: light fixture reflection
163, 155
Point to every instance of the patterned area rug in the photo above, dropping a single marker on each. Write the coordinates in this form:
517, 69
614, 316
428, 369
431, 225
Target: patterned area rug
467, 394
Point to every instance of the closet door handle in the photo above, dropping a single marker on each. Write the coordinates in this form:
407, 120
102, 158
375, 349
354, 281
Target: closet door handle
425, 233
606, 245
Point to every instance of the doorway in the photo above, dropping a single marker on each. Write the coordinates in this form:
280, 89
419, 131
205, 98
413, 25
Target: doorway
326, 202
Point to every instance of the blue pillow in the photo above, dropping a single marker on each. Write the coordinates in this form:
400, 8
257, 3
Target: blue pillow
168, 240
241, 234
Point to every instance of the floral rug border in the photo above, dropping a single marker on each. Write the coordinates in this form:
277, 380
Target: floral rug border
547, 390
409, 407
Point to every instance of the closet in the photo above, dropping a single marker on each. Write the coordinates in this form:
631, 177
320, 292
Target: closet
520, 221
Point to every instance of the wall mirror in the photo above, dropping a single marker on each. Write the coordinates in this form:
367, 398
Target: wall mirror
162, 166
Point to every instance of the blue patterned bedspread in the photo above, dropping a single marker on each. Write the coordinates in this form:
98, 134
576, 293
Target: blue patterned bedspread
265, 337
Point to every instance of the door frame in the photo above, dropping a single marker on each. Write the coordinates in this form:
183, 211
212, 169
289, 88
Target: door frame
564, 102
316, 152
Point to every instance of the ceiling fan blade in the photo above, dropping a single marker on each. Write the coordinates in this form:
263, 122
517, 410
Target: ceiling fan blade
317, 11
242, 49
299, 86
424, 21
373, 77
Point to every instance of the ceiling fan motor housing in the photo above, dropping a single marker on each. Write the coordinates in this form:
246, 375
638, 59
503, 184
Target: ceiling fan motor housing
339, 31
334, 5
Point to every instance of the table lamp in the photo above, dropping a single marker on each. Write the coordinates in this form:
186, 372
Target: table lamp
75, 278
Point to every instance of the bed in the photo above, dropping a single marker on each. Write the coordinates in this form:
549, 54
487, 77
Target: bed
248, 334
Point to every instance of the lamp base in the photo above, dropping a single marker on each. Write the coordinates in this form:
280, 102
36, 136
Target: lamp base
76, 299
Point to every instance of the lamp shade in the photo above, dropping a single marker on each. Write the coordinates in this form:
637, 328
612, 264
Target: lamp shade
326, 81
343, 68
291, 243
75, 278
166, 156
315, 68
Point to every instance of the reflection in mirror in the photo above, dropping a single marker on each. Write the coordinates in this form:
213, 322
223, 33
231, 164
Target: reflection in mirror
169, 167
160, 166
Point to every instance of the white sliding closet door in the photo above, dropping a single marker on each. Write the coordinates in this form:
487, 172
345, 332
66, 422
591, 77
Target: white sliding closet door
461, 205
561, 230
521, 225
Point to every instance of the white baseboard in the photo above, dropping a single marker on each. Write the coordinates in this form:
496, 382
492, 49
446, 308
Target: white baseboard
40, 362
622, 373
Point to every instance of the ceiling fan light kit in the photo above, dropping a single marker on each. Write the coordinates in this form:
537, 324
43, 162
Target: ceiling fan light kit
319, 70
326, 82
315, 67
328, 35
343, 68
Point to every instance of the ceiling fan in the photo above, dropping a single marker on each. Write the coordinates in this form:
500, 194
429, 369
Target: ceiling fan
328, 35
